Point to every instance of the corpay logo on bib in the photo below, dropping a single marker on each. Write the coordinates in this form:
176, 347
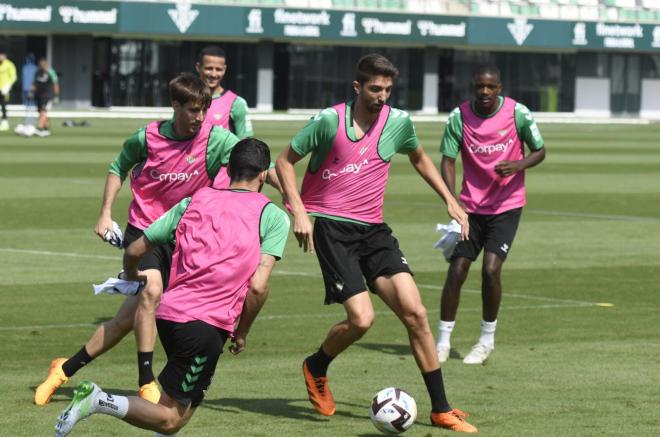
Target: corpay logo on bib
487, 149
172, 177
350, 168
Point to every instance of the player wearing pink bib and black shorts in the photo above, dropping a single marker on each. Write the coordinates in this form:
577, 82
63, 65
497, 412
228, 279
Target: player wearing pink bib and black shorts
227, 242
489, 133
167, 161
351, 146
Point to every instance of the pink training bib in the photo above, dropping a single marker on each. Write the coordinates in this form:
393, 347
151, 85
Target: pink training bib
173, 170
220, 109
487, 141
350, 183
217, 251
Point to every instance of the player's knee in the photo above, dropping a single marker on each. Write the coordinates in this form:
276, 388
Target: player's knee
150, 296
416, 319
491, 272
172, 425
362, 322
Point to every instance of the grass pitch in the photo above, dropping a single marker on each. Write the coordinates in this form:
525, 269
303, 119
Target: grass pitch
567, 362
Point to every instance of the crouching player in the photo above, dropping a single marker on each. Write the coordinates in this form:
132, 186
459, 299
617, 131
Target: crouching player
227, 242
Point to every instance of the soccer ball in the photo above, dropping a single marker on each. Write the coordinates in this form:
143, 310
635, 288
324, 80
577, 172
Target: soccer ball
393, 410
19, 129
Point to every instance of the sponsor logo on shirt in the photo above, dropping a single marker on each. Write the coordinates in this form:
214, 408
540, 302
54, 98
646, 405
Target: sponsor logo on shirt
190, 159
350, 168
173, 176
487, 149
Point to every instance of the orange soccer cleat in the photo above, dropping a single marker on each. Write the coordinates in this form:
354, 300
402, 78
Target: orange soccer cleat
54, 380
453, 420
319, 393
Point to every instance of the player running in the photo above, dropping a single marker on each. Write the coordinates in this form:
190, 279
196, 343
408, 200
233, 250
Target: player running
170, 160
227, 242
351, 145
489, 133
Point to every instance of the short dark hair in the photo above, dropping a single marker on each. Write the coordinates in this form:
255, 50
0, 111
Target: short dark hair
188, 87
248, 158
211, 51
489, 69
374, 64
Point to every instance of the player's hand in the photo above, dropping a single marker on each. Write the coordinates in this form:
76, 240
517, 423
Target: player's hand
507, 168
103, 225
303, 230
457, 212
127, 275
237, 344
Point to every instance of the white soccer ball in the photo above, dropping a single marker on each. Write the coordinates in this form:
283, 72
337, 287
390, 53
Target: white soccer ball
29, 130
19, 129
393, 410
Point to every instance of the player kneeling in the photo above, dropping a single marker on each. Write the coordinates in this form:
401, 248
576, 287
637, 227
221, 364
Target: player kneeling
233, 264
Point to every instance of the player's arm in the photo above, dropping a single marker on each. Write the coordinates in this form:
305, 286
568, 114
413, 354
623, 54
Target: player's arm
529, 133
133, 151
448, 173
56, 83
254, 301
302, 225
425, 167
241, 119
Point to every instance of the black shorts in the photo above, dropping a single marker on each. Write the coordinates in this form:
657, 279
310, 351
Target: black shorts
349, 253
42, 102
192, 350
493, 233
159, 258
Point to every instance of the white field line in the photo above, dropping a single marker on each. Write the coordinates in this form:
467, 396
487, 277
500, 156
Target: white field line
558, 303
285, 273
333, 315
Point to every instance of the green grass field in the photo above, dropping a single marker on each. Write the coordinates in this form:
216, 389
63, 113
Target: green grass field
564, 366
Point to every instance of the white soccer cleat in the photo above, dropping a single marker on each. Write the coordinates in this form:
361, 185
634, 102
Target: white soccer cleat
443, 352
4, 125
42, 132
80, 407
478, 354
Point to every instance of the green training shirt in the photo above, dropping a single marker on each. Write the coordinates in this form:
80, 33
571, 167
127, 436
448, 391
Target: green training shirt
526, 126
273, 228
221, 142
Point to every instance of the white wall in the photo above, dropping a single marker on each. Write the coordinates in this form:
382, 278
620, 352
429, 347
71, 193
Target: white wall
592, 96
650, 101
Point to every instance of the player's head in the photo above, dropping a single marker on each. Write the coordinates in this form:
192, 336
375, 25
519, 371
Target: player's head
212, 66
486, 86
249, 160
373, 82
42, 62
190, 99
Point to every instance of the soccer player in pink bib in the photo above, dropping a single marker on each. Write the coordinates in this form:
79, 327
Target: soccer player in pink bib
227, 109
227, 242
167, 161
489, 133
351, 146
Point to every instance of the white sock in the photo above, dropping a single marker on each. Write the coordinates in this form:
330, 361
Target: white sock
113, 405
488, 333
444, 332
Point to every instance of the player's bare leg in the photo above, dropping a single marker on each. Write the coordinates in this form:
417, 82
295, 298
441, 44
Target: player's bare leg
359, 318
451, 294
105, 337
400, 293
491, 297
145, 333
